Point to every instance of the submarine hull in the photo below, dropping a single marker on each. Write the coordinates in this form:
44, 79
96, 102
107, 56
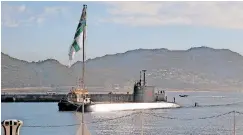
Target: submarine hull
107, 107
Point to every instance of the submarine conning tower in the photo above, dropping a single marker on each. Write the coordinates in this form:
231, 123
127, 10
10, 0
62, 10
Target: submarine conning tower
142, 92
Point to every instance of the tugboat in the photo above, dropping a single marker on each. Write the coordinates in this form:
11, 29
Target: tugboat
77, 99
74, 101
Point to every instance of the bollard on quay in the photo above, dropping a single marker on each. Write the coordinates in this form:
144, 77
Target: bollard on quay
11, 126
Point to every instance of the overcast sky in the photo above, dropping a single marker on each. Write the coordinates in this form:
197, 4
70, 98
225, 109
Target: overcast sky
35, 31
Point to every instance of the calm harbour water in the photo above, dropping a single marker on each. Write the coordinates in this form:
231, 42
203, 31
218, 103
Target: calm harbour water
179, 121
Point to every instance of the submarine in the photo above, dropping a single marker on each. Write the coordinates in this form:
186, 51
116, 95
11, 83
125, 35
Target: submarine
143, 97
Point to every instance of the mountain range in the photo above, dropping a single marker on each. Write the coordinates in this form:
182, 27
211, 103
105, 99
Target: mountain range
200, 68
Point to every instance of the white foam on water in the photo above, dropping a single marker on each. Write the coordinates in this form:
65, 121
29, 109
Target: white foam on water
105, 107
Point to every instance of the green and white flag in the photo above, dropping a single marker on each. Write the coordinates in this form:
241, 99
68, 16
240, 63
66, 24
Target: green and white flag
78, 38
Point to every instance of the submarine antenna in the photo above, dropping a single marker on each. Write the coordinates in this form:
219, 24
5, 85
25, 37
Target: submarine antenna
144, 81
140, 78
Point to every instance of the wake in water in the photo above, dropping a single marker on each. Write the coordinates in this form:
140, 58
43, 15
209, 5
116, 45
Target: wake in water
131, 106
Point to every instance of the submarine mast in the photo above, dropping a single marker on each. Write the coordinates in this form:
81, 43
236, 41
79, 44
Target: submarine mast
144, 81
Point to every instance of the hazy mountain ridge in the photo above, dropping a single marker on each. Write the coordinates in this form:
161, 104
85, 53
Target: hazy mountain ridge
200, 68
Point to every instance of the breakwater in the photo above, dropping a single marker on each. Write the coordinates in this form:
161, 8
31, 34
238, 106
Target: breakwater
57, 97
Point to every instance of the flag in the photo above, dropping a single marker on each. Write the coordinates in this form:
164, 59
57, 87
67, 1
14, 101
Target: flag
78, 37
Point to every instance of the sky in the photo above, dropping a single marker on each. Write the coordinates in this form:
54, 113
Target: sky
34, 31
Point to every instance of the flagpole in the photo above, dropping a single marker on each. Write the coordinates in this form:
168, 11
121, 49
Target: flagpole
84, 6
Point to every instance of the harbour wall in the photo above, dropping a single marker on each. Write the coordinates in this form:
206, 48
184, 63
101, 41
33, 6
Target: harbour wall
58, 97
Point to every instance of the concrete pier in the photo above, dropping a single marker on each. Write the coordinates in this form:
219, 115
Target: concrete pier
57, 97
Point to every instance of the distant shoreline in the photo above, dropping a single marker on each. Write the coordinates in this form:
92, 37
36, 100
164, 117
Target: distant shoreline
166, 89
189, 90
26, 88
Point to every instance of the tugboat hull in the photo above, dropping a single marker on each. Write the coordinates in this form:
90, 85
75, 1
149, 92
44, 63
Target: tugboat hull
9, 99
70, 106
